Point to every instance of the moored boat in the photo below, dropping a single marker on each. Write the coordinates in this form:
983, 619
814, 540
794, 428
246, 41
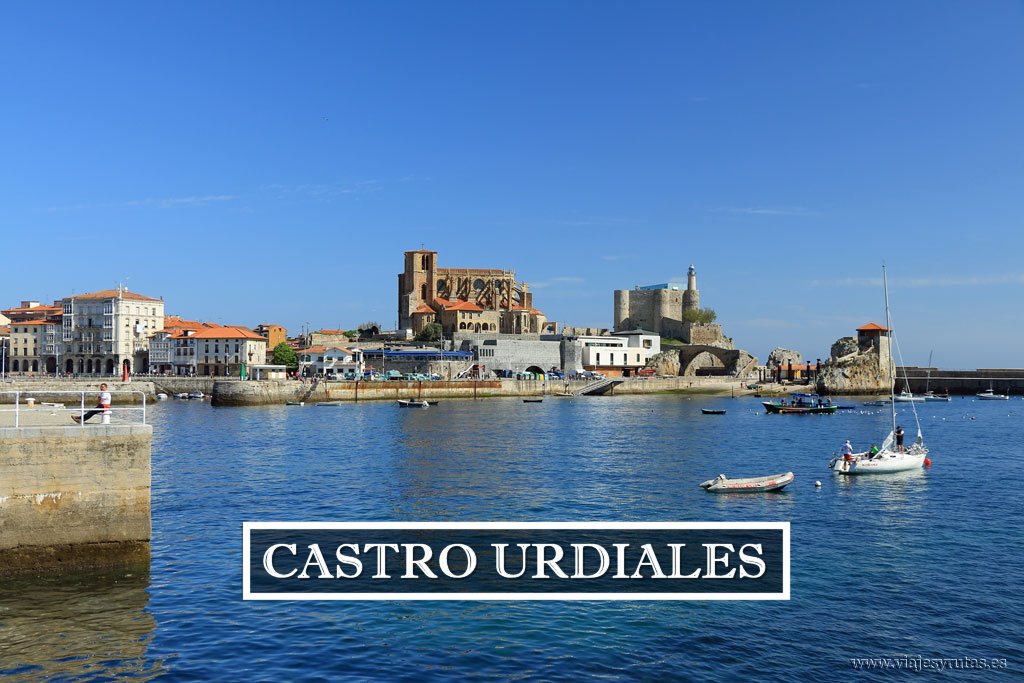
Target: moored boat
709, 411
533, 400
989, 395
893, 456
198, 395
801, 404
722, 484
907, 397
932, 396
409, 403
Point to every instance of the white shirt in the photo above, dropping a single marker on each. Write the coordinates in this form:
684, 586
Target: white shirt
104, 398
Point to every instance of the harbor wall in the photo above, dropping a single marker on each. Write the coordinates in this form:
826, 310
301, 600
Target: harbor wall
1001, 380
276, 392
55, 390
74, 498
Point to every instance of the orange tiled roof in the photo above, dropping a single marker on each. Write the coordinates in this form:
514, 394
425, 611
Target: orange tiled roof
461, 306
872, 327
215, 331
322, 349
423, 308
35, 322
113, 294
33, 309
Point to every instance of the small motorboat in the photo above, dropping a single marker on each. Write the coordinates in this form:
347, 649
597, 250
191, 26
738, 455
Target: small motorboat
989, 395
327, 403
198, 395
709, 411
907, 397
876, 403
722, 484
932, 396
533, 400
181, 395
161, 396
294, 403
432, 403
412, 404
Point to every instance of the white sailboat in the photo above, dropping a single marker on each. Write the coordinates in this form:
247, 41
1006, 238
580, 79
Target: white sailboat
891, 457
989, 395
930, 395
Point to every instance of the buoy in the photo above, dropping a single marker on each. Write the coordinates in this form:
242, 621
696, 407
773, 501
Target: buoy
927, 462
817, 483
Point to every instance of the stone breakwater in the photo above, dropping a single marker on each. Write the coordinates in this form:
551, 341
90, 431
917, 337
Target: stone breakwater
276, 392
73, 497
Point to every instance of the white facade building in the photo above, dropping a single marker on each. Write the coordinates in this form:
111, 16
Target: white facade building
108, 331
332, 362
217, 351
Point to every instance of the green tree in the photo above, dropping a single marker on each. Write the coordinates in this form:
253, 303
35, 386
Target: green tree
431, 332
285, 355
703, 316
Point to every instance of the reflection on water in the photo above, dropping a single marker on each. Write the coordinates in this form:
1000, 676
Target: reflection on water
74, 628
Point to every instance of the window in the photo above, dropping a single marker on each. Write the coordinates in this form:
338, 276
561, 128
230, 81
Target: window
598, 358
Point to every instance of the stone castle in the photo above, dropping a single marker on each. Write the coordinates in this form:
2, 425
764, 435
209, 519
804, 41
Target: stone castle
467, 300
660, 309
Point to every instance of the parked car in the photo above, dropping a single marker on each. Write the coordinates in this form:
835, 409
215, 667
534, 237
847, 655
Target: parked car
556, 374
589, 374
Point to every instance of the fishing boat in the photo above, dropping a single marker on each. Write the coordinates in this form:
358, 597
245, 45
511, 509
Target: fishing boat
890, 457
801, 404
722, 484
932, 396
907, 397
409, 403
989, 395
709, 411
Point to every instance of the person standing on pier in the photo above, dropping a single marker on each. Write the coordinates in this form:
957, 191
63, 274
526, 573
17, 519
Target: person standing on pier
102, 405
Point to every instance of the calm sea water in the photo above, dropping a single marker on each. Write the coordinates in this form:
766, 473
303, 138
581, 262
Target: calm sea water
924, 563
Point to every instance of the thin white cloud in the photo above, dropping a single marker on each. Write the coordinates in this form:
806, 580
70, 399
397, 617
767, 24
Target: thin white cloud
583, 222
557, 281
770, 323
765, 210
158, 202
933, 281
324, 190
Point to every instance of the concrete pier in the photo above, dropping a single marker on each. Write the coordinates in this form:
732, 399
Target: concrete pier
72, 497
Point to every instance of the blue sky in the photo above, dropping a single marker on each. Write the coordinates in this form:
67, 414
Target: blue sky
256, 162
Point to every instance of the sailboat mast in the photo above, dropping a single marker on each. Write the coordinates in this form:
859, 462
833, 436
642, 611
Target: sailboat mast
888, 334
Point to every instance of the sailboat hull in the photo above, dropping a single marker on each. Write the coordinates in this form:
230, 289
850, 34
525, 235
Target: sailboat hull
883, 463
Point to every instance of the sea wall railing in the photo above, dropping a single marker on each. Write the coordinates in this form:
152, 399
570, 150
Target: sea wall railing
122, 414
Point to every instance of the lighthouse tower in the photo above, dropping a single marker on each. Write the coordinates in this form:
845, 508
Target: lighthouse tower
691, 297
